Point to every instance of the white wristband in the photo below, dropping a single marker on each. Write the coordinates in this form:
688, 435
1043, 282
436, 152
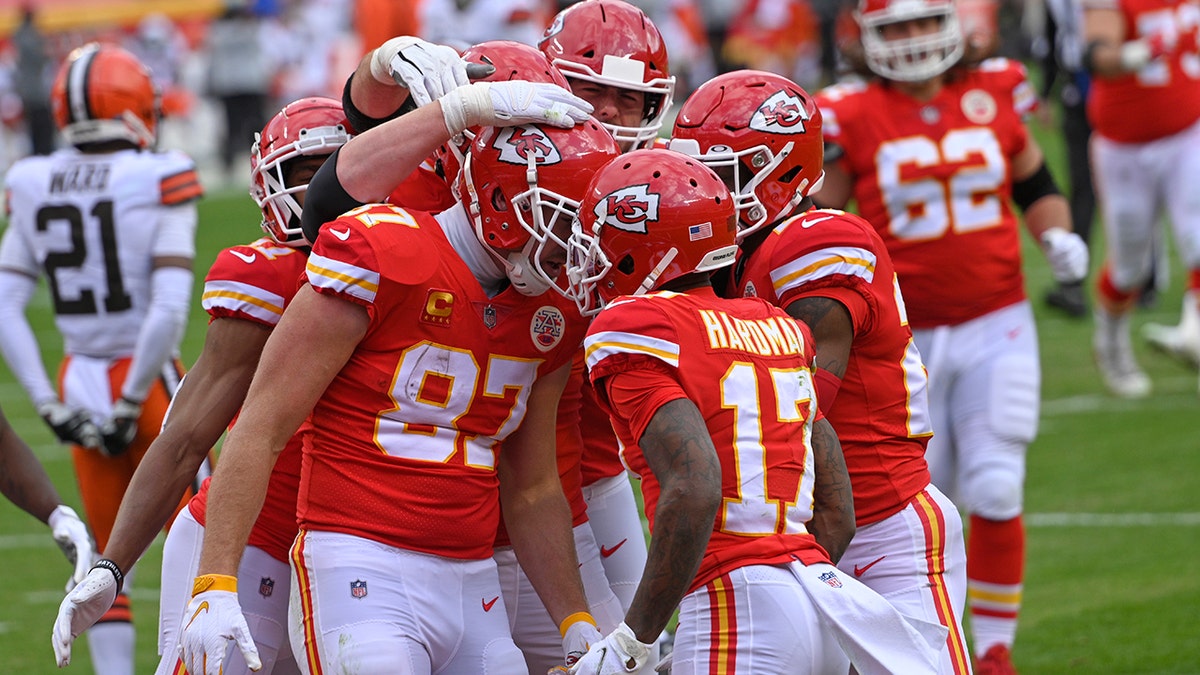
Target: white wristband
466, 107
1135, 54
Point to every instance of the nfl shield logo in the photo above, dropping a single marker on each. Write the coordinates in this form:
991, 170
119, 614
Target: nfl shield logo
266, 586
358, 589
489, 317
831, 579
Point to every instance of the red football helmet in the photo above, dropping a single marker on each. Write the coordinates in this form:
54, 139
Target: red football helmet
512, 61
649, 216
521, 187
910, 59
762, 133
613, 43
103, 93
309, 126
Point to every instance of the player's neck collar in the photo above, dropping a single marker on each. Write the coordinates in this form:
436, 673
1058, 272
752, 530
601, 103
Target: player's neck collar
461, 234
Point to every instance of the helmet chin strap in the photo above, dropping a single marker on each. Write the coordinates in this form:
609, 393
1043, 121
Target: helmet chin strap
652, 278
518, 265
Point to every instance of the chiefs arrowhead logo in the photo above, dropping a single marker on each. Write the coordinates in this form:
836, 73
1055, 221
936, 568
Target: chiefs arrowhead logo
628, 209
555, 28
782, 113
518, 144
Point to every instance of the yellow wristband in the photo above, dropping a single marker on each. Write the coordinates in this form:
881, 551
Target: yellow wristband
575, 618
214, 582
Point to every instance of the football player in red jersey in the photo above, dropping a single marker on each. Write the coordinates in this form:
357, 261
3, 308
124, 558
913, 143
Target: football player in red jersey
614, 57
1144, 106
428, 343
245, 293
935, 152
533, 630
829, 269
110, 221
714, 401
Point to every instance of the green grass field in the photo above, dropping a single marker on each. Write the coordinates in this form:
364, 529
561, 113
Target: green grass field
1114, 592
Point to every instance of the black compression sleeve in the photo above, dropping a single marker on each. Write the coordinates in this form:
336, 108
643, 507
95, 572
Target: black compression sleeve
360, 122
325, 199
1040, 184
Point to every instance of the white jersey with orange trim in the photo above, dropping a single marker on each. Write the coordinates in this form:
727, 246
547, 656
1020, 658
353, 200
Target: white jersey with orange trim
92, 223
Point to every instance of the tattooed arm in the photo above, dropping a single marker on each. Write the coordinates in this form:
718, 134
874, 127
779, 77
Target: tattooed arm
833, 502
831, 327
680, 452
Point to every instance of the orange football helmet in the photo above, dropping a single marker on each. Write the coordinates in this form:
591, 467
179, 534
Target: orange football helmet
103, 93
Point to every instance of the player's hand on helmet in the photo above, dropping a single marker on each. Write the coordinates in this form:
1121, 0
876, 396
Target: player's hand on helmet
512, 103
121, 427
84, 605
213, 619
1067, 254
72, 537
428, 70
618, 652
71, 425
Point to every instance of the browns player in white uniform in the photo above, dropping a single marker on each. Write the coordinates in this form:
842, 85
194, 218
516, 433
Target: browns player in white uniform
1144, 106
428, 343
831, 270
245, 293
110, 222
715, 404
934, 155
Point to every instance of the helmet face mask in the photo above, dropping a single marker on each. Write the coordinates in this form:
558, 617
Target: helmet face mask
103, 94
762, 134
649, 218
309, 127
614, 44
521, 188
914, 58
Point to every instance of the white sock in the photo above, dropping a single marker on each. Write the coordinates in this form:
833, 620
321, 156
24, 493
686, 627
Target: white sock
111, 647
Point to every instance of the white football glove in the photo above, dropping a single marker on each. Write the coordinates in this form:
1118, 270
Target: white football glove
512, 103
428, 70
83, 607
578, 637
619, 652
214, 618
70, 424
72, 537
1067, 253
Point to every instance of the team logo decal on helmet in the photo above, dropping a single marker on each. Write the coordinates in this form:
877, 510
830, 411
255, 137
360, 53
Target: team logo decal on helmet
628, 208
782, 113
547, 327
516, 144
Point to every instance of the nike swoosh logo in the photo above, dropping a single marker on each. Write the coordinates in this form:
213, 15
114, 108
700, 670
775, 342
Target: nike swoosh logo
245, 258
859, 571
202, 608
606, 552
341, 235
809, 223
487, 606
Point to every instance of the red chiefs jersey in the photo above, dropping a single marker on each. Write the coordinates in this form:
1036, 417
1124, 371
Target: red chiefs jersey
404, 440
748, 367
601, 456
424, 190
1163, 97
881, 412
255, 283
935, 179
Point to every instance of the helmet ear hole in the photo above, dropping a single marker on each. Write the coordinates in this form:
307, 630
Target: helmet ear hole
626, 265
499, 202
